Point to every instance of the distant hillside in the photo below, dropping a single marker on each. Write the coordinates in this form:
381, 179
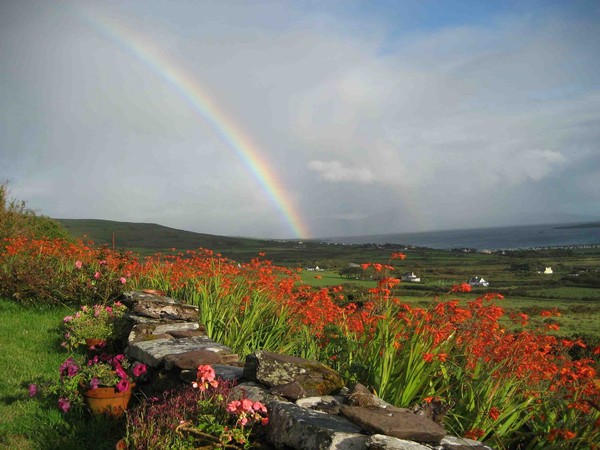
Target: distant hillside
150, 236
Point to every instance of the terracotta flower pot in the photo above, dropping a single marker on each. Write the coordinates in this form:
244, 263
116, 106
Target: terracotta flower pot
107, 400
95, 343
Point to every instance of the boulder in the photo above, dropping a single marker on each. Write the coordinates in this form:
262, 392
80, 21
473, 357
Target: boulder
395, 422
291, 426
272, 369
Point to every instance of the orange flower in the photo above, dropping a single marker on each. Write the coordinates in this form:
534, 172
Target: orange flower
494, 413
464, 287
400, 256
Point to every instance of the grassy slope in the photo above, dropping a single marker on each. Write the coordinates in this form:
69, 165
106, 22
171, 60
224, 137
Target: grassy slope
150, 235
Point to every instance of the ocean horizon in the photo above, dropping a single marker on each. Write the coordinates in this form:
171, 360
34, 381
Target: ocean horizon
498, 238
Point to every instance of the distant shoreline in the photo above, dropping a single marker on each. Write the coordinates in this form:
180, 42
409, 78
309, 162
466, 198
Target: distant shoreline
581, 225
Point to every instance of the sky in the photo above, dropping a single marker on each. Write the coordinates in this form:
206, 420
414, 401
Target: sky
303, 119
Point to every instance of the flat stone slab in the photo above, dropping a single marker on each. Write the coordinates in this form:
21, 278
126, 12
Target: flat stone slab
191, 360
395, 422
291, 426
153, 353
382, 442
160, 310
188, 333
458, 443
172, 327
130, 297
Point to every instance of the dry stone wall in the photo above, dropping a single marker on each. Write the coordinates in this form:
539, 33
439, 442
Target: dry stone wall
309, 406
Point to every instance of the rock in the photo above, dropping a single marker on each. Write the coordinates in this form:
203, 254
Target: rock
191, 360
159, 310
361, 396
435, 410
254, 392
291, 426
153, 353
188, 333
291, 391
457, 443
129, 298
395, 422
382, 442
326, 403
176, 327
272, 369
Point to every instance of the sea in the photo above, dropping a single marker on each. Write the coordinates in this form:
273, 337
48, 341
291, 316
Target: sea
504, 238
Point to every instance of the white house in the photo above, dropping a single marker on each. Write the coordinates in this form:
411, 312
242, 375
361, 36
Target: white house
410, 276
477, 281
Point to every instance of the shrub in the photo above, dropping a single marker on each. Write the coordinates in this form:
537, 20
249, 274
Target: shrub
18, 220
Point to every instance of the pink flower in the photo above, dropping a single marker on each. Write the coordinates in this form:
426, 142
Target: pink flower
97, 275
67, 319
94, 383
123, 280
33, 390
139, 369
64, 404
206, 377
123, 385
78, 264
232, 407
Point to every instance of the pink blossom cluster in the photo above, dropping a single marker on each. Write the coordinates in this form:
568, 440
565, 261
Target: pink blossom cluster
205, 378
248, 411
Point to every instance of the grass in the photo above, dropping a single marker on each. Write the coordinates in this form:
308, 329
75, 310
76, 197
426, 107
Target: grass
31, 352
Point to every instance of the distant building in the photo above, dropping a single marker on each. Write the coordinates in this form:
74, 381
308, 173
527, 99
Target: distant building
477, 281
411, 277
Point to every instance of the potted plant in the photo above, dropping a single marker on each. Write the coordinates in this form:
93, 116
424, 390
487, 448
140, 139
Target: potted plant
95, 327
103, 383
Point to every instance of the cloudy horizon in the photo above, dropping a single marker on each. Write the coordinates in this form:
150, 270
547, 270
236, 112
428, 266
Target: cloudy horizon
303, 119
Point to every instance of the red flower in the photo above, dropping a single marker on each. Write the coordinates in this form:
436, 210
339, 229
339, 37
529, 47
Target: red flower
494, 413
464, 287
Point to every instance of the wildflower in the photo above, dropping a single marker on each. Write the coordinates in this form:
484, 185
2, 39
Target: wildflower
33, 390
123, 280
139, 369
464, 287
64, 404
78, 264
67, 319
428, 357
400, 256
206, 377
123, 385
494, 413
97, 276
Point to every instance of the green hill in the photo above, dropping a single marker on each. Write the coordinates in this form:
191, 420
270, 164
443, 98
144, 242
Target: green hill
151, 236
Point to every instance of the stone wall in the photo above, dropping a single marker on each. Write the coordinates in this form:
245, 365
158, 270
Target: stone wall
309, 406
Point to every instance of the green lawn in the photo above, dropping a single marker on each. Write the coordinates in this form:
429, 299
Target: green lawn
31, 352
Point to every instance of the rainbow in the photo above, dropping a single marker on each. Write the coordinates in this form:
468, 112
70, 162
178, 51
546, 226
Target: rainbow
198, 97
